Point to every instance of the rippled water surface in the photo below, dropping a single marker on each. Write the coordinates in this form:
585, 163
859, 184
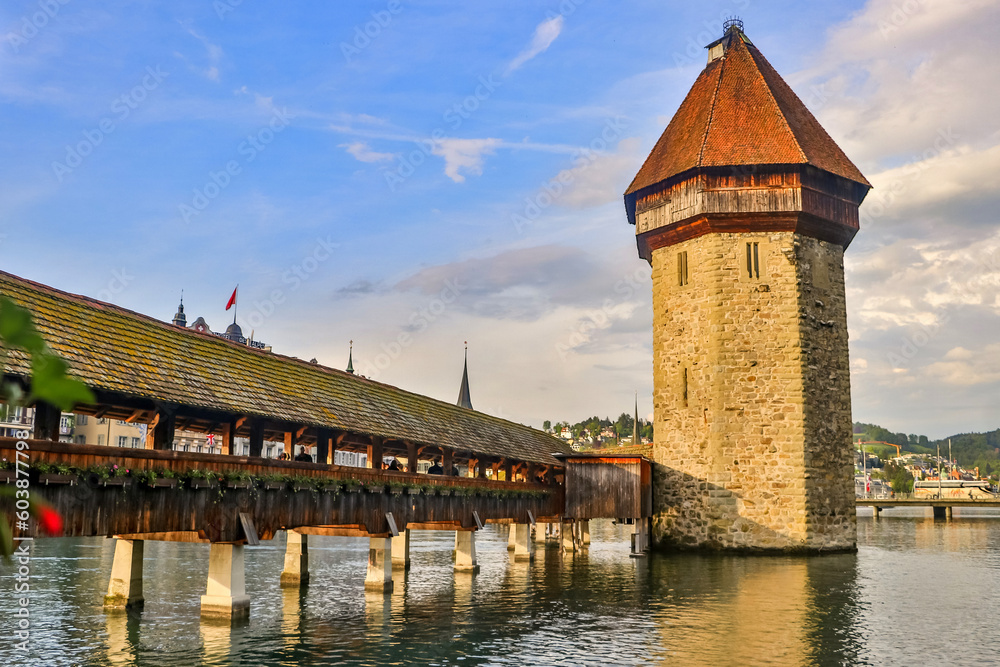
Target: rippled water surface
917, 592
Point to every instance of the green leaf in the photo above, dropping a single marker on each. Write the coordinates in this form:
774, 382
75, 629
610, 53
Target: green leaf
50, 383
16, 328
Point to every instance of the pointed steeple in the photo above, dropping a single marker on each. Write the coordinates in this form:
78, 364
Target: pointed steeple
464, 400
350, 359
635, 424
180, 319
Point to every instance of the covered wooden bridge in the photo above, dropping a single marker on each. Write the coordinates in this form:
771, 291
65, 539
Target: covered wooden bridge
145, 371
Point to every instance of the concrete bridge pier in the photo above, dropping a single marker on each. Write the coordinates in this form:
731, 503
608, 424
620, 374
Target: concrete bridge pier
225, 596
125, 585
567, 537
465, 551
942, 513
876, 510
511, 536
401, 550
523, 550
296, 572
584, 533
379, 577
640, 538
541, 532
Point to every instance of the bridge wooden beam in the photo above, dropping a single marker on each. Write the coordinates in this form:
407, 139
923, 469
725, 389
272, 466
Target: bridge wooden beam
46, 425
374, 452
323, 453
256, 437
160, 434
411, 457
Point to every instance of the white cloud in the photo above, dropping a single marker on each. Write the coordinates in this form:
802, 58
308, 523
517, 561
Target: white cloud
213, 53
546, 33
604, 178
363, 153
464, 155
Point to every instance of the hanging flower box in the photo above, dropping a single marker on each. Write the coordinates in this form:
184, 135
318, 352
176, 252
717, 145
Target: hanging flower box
375, 489
398, 490
274, 486
303, 486
352, 488
202, 483
163, 483
55, 478
115, 481
238, 483
413, 490
8, 476
444, 492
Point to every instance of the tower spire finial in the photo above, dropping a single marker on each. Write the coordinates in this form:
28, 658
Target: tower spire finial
464, 399
350, 359
180, 319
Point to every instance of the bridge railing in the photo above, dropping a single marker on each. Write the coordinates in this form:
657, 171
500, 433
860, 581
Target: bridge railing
90, 458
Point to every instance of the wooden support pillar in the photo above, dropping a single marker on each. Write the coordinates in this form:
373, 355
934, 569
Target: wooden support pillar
256, 437
481, 468
296, 572
225, 596
289, 439
46, 425
508, 470
323, 436
411, 457
379, 576
401, 550
532, 472
125, 585
522, 542
375, 453
465, 551
160, 434
448, 461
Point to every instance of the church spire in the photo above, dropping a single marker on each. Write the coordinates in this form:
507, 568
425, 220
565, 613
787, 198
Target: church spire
464, 400
180, 319
350, 359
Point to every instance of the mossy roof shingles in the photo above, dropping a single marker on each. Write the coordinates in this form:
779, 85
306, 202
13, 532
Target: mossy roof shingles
117, 350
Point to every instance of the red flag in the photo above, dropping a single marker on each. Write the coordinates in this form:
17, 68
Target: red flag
232, 299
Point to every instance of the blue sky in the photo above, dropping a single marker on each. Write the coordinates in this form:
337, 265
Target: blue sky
382, 172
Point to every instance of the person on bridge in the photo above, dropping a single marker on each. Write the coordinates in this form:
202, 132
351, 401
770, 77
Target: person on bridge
304, 457
436, 469
393, 465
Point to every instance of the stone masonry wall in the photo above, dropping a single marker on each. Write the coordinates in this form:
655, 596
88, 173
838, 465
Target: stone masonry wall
751, 396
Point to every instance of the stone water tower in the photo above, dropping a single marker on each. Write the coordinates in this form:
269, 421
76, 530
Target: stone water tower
744, 208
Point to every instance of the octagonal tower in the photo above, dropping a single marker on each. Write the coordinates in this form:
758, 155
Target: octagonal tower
744, 208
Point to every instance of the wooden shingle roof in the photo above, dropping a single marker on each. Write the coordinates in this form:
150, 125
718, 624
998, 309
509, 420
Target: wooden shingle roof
117, 350
740, 112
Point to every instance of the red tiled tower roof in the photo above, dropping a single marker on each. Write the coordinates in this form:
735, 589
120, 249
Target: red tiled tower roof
740, 112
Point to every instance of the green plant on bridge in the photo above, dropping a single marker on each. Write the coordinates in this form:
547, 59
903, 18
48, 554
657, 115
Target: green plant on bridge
49, 383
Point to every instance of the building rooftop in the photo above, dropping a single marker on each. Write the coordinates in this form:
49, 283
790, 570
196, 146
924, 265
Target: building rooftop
740, 112
116, 350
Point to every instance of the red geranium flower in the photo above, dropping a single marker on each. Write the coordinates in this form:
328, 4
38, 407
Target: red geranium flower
50, 522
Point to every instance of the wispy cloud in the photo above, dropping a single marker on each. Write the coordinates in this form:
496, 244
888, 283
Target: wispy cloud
362, 152
213, 53
464, 155
546, 33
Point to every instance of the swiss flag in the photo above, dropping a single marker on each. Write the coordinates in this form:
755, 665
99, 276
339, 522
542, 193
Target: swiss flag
232, 299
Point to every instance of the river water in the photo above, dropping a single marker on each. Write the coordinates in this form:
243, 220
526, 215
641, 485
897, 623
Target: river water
918, 592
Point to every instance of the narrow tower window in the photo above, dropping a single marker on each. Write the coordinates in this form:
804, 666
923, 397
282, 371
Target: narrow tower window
753, 260
682, 268
684, 388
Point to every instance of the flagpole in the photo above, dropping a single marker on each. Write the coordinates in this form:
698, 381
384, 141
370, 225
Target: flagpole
236, 302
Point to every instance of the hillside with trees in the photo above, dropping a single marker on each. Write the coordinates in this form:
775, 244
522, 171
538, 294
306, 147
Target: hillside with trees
970, 450
622, 427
